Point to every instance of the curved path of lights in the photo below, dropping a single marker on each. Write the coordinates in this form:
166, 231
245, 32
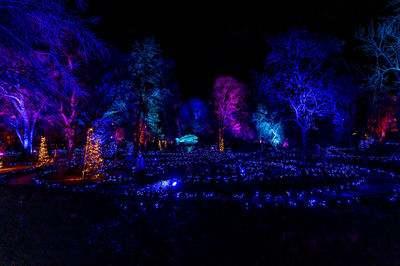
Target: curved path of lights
250, 180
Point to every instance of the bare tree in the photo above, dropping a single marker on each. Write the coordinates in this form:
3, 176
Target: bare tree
299, 76
381, 42
42, 43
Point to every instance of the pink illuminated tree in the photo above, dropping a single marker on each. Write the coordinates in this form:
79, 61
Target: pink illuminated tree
229, 102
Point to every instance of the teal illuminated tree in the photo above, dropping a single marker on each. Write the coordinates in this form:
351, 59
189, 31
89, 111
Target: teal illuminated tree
268, 126
146, 90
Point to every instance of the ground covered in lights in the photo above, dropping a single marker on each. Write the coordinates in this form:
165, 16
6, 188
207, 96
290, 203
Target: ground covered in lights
209, 208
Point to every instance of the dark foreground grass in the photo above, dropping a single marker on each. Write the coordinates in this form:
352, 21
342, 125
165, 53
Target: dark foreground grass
50, 227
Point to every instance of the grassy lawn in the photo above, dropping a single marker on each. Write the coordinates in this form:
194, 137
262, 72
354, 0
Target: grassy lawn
49, 227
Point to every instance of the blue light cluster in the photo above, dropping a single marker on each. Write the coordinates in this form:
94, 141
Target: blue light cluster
245, 179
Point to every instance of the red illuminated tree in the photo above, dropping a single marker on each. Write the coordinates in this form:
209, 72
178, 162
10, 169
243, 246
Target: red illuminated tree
381, 42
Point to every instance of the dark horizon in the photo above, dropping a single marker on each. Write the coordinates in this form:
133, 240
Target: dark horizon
209, 42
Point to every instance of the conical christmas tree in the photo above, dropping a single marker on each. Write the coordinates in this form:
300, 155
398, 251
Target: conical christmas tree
93, 160
44, 157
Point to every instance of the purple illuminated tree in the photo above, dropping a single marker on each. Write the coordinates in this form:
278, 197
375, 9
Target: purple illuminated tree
229, 103
42, 43
299, 76
86, 110
21, 104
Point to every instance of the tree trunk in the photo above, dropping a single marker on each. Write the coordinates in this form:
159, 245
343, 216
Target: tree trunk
27, 135
71, 149
304, 144
27, 144
376, 124
350, 127
140, 123
349, 135
71, 136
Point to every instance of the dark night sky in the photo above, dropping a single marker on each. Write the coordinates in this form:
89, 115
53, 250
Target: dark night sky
209, 42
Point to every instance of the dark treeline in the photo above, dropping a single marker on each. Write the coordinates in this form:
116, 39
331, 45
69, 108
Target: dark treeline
58, 79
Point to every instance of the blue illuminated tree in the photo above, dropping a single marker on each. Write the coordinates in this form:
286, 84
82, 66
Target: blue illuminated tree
41, 45
347, 92
194, 116
22, 108
299, 77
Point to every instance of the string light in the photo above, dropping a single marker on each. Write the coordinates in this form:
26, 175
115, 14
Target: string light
93, 162
221, 145
44, 157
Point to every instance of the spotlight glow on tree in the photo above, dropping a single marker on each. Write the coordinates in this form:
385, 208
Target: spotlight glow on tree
381, 43
146, 89
229, 95
267, 126
41, 46
93, 160
44, 157
299, 76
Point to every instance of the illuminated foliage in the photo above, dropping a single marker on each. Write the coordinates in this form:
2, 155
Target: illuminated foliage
145, 90
22, 110
267, 126
93, 161
153, 116
299, 76
384, 121
229, 102
41, 45
381, 42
